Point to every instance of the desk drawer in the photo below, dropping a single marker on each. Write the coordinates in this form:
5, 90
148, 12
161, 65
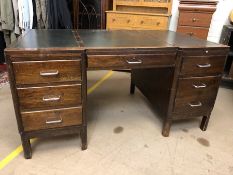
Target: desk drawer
130, 61
197, 87
115, 20
195, 19
51, 119
130, 21
193, 107
203, 65
50, 96
32, 72
151, 22
198, 32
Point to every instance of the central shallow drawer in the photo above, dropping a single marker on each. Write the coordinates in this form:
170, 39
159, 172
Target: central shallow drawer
202, 65
47, 119
49, 96
130, 61
32, 72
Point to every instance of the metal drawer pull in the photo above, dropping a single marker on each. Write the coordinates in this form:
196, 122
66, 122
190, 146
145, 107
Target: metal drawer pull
204, 65
134, 62
49, 73
195, 105
200, 86
54, 121
51, 98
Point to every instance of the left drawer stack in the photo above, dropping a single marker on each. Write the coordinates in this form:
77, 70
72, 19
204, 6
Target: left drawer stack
49, 94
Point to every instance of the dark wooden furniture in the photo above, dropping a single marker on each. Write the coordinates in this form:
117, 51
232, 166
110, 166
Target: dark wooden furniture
48, 85
179, 75
195, 17
227, 39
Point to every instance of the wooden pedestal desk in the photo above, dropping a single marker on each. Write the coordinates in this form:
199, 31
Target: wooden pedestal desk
179, 75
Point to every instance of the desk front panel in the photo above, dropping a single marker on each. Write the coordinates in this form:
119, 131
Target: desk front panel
131, 59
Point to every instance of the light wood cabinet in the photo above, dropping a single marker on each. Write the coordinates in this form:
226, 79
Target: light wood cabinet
139, 14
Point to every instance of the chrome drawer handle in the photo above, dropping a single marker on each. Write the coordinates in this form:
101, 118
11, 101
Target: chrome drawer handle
50, 98
204, 65
54, 121
195, 105
134, 62
200, 86
49, 73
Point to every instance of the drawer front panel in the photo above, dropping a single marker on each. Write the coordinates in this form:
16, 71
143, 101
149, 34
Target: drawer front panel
119, 20
32, 72
195, 19
151, 22
47, 97
194, 31
130, 61
193, 107
51, 119
197, 66
127, 21
197, 87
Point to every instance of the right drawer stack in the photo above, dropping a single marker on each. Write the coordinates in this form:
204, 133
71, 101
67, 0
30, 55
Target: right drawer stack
198, 82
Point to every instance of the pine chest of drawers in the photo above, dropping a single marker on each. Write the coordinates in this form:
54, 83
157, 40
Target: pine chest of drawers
49, 89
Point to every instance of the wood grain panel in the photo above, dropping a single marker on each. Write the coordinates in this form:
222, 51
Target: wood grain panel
201, 107
198, 32
59, 118
32, 72
130, 61
195, 19
50, 96
197, 87
201, 66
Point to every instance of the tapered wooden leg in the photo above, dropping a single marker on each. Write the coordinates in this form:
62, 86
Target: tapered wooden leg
26, 147
204, 122
132, 87
83, 135
166, 128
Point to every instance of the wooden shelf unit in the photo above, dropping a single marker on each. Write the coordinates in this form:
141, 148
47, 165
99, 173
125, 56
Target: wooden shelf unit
139, 14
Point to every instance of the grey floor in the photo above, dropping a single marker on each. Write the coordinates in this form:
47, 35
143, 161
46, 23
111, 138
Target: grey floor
124, 137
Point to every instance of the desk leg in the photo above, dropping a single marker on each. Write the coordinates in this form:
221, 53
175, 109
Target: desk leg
204, 122
166, 128
26, 147
132, 86
83, 135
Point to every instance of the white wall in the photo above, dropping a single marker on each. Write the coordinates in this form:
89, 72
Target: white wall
220, 18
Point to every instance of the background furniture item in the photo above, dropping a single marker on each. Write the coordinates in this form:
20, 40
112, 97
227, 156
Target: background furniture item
195, 17
48, 85
231, 16
139, 14
227, 39
90, 14
179, 75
